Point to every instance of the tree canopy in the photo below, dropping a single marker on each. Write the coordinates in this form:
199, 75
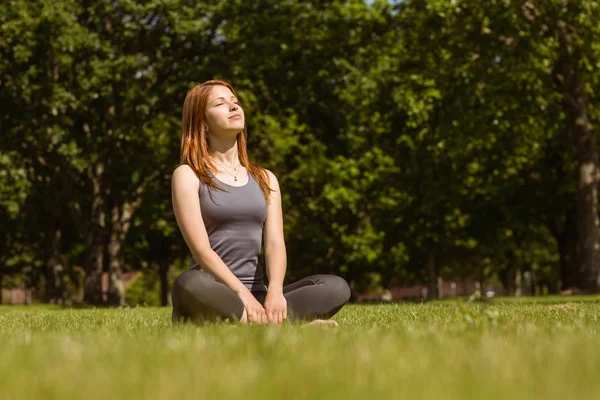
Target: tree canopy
411, 139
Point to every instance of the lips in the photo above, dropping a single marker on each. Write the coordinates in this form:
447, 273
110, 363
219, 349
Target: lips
236, 116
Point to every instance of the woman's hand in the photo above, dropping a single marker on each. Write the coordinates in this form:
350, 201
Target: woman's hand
255, 313
276, 306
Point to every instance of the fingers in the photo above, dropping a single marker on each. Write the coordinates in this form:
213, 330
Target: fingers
260, 317
251, 316
273, 316
277, 317
257, 316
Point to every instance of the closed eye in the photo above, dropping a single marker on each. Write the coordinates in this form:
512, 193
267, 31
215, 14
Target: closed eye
220, 104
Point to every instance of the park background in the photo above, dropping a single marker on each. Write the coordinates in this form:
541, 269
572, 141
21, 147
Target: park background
418, 144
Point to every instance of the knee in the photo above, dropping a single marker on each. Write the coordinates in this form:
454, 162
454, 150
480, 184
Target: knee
339, 288
187, 283
181, 283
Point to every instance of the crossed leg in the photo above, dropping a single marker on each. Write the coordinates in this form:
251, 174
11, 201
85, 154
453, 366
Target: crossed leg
197, 296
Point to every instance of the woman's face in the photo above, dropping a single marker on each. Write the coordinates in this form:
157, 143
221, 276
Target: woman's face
223, 113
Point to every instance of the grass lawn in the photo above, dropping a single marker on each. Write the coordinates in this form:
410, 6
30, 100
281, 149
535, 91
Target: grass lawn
525, 349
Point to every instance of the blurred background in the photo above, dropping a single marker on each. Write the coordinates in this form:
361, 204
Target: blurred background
425, 149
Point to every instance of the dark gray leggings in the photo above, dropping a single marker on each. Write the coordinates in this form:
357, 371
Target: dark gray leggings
197, 296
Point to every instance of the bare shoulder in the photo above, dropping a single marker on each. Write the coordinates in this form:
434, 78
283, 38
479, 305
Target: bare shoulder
184, 177
273, 182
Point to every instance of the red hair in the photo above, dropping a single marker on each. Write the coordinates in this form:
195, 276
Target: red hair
194, 140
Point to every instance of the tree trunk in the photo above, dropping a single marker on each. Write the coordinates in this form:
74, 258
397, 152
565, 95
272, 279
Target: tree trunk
116, 291
116, 288
55, 283
518, 283
533, 284
163, 271
121, 217
567, 248
94, 241
432, 290
569, 80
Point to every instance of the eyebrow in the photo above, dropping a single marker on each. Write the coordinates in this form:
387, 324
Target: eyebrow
219, 98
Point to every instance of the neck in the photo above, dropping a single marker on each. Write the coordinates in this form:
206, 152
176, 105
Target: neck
224, 150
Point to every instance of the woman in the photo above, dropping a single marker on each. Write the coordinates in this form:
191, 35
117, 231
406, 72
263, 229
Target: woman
225, 208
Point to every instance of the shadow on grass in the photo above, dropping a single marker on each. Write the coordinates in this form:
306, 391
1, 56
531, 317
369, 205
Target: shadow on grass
551, 299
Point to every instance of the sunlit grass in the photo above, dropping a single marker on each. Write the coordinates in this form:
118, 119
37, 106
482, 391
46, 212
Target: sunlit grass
461, 350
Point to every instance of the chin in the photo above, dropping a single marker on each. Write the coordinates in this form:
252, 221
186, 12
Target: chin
234, 131
237, 126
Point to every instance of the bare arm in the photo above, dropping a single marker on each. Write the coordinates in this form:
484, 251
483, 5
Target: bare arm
186, 205
274, 243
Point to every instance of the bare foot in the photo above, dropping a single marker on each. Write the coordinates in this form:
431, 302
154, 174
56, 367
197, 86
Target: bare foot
326, 322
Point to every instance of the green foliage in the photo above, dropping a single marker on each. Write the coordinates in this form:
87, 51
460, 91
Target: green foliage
14, 185
401, 132
144, 290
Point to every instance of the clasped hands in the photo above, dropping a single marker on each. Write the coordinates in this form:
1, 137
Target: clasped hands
274, 311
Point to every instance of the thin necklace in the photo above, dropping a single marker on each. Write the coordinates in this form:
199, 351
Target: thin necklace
235, 169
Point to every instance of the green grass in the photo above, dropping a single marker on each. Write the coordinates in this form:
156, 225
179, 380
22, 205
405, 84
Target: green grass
444, 350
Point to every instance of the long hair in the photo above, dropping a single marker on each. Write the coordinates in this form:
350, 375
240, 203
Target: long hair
194, 140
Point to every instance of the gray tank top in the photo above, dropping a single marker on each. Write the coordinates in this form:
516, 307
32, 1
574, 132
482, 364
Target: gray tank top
234, 221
